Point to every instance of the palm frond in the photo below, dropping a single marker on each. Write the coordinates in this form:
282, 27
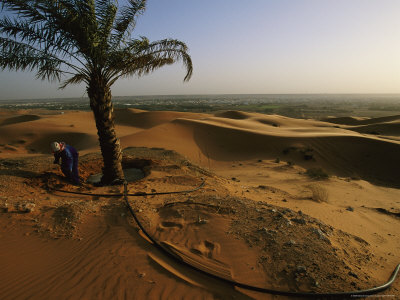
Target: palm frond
36, 34
54, 36
106, 11
126, 21
142, 54
76, 79
171, 48
70, 21
50, 22
19, 57
141, 66
26, 9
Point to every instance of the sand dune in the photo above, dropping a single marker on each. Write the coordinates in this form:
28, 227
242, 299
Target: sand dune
35, 135
261, 218
19, 119
360, 121
232, 114
386, 129
341, 152
146, 120
344, 155
272, 120
221, 137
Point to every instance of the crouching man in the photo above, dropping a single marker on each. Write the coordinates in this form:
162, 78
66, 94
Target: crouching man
69, 160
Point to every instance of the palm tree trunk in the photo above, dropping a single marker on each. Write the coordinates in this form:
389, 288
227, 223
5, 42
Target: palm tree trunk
100, 102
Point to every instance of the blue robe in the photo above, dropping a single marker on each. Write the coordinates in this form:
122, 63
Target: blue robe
69, 162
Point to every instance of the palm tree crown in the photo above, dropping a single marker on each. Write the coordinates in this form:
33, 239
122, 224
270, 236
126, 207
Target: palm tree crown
82, 39
85, 41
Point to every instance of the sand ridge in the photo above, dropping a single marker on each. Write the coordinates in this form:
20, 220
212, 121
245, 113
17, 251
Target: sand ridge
361, 121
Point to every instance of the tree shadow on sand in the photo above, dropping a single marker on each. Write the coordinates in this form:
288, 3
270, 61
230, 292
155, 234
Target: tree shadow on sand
19, 173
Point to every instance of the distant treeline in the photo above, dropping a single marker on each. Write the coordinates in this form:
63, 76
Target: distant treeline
295, 106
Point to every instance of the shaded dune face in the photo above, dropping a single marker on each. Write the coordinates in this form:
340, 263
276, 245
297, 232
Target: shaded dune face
373, 159
19, 119
388, 129
237, 115
361, 121
384, 126
346, 156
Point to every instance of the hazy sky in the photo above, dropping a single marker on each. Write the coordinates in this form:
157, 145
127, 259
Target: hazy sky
260, 46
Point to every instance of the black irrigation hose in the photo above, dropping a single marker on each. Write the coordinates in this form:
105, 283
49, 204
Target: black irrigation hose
138, 194
232, 282
255, 288
86, 194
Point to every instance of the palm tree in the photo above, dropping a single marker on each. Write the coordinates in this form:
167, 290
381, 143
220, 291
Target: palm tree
85, 41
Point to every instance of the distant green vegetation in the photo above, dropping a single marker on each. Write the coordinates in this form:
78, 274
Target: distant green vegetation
294, 106
378, 107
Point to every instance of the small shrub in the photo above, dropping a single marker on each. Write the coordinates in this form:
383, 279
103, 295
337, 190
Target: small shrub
307, 153
290, 163
308, 156
277, 160
317, 173
288, 149
319, 193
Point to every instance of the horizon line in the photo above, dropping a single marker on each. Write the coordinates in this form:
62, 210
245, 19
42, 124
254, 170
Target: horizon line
213, 94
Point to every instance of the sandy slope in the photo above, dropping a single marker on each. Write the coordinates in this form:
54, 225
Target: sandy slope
230, 138
266, 155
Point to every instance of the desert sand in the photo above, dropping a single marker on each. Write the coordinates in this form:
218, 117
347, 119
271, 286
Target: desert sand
259, 219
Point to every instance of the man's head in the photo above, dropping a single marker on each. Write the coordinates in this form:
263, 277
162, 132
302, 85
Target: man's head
57, 146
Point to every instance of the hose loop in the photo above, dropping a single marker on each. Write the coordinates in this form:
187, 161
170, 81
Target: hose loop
339, 295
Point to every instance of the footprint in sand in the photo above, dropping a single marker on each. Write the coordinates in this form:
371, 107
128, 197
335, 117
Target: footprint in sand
206, 249
165, 225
